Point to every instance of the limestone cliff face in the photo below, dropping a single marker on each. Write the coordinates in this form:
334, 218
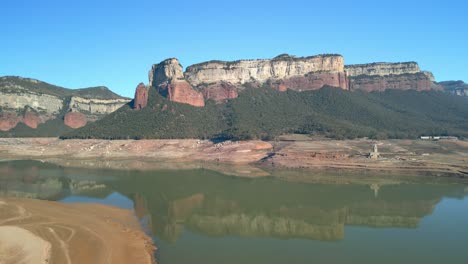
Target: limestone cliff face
221, 81
21, 99
33, 102
168, 79
244, 71
312, 81
382, 69
459, 88
166, 71
382, 76
95, 106
417, 81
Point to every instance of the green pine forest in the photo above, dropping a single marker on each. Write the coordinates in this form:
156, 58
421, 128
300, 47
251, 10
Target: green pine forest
264, 113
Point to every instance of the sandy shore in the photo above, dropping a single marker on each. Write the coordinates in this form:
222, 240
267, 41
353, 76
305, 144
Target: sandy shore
34, 231
247, 158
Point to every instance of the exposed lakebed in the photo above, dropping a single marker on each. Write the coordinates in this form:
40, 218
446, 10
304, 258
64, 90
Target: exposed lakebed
203, 216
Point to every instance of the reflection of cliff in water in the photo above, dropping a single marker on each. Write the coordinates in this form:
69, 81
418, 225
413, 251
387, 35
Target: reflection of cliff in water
213, 204
216, 205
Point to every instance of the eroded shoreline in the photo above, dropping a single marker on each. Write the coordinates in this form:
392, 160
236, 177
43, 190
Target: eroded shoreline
247, 158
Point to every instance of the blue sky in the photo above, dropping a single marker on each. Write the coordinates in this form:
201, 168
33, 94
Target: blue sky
114, 43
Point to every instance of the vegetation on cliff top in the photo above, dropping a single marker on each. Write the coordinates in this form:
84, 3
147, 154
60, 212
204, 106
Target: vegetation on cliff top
265, 113
100, 92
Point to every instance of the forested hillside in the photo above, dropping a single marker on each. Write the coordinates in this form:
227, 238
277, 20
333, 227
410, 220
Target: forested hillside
265, 113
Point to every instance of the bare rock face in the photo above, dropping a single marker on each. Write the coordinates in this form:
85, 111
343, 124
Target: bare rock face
383, 76
219, 92
182, 92
8, 120
312, 81
418, 82
75, 120
141, 97
165, 72
31, 119
168, 78
382, 69
245, 71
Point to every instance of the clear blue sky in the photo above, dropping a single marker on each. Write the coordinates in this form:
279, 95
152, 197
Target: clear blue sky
114, 43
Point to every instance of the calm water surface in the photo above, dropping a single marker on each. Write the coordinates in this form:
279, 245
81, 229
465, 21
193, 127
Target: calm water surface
202, 216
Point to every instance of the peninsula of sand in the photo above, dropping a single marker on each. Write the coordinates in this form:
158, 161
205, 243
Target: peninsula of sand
40, 232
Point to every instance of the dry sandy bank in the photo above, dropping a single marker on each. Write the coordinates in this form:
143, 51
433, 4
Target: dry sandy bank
34, 231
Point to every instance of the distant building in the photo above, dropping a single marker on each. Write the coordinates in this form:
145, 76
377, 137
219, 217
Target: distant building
438, 137
374, 154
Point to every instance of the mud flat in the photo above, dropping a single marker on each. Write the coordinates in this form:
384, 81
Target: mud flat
252, 158
34, 231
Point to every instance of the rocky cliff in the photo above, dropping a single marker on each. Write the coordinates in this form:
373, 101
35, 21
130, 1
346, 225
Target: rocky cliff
168, 79
220, 80
382, 69
459, 88
244, 71
33, 102
382, 76
223, 80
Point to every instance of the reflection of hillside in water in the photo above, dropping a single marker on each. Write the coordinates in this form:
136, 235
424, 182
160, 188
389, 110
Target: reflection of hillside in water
213, 204
36, 180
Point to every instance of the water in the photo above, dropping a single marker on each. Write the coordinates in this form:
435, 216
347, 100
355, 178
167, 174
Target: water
202, 216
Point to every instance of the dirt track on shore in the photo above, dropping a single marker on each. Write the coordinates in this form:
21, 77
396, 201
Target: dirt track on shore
34, 231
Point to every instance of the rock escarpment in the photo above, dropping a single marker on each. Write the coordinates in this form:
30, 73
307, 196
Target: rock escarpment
459, 88
141, 97
220, 81
223, 80
382, 76
33, 102
168, 78
279, 68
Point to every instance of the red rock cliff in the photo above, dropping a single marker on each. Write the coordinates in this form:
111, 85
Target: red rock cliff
75, 120
141, 97
168, 78
8, 120
31, 119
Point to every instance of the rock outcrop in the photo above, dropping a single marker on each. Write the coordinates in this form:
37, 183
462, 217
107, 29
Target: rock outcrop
373, 83
312, 81
141, 97
8, 120
459, 88
219, 92
75, 120
31, 119
33, 102
95, 107
382, 76
221, 81
168, 79
183, 92
382, 69
244, 71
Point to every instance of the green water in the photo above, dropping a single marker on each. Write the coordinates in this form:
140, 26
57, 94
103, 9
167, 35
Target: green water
203, 216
